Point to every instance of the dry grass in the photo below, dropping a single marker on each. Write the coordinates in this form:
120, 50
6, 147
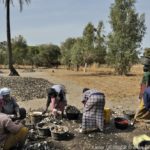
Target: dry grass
115, 87
103, 78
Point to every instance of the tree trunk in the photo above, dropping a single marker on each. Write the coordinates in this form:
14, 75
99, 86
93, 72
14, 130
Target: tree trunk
85, 67
77, 67
13, 71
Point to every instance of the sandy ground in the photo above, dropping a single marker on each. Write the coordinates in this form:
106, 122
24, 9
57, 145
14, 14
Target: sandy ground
120, 91
121, 94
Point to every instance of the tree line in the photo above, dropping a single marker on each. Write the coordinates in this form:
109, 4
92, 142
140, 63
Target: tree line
119, 49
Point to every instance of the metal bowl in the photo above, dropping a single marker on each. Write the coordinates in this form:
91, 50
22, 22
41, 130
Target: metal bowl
59, 135
43, 131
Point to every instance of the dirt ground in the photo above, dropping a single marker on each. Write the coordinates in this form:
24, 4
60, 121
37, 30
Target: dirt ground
119, 90
121, 94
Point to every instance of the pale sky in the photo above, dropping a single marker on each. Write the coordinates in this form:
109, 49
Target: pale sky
53, 21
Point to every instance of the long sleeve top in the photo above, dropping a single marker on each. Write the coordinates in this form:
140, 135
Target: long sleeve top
59, 101
7, 126
90, 92
9, 107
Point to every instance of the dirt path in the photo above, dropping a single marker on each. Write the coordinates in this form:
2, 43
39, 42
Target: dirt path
74, 93
112, 139
73, 90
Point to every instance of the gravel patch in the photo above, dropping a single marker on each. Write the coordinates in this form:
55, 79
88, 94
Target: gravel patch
26, 88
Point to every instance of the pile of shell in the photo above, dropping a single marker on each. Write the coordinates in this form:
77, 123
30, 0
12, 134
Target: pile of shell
72, 109
26, 88
43, 145
38, 137
59, 129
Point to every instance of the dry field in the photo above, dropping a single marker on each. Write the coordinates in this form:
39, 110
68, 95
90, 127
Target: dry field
118, 89
121, 94
115, 87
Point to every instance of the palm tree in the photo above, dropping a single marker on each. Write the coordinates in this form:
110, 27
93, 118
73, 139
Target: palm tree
13, 71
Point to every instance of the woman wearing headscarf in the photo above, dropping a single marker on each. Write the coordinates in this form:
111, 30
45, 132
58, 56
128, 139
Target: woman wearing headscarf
12, 134
93, 111
8, 104
56, 99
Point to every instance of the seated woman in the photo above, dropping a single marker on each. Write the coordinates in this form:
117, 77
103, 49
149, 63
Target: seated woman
12, 135
144, 112
8, 104
93, 111
56, 98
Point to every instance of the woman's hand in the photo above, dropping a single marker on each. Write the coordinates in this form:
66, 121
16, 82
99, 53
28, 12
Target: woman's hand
56, 112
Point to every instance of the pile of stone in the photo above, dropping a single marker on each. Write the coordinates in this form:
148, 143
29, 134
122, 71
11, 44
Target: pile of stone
26, 88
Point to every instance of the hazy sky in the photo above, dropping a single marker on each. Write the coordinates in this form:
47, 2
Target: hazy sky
53, 21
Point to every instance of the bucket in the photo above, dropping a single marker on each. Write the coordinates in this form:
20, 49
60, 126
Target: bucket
72, 116
43, 131
35, 118
72, 112
107, 115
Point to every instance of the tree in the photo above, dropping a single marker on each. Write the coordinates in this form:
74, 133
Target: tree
49, 55
100, 45
128, 29
3, 47
9, 46
66, 51
20, 50
32, 55
88, 44
77, 53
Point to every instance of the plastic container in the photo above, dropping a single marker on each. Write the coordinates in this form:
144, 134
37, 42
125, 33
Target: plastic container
121, 123
107, 115
72, 113
72, 116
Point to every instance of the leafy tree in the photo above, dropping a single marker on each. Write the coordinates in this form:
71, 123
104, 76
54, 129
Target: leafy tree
9, 46
32, 56
3, 47
66, 51
77, 53
88, 44
100, 46
128, 29
49, 55
20, 49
